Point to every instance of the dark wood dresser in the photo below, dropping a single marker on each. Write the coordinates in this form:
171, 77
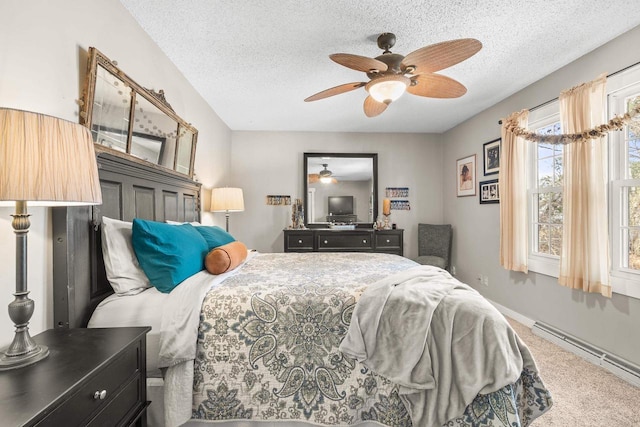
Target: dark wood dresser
92, 377
358, 240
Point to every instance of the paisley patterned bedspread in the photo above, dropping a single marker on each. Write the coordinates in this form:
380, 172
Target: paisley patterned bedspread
268, 349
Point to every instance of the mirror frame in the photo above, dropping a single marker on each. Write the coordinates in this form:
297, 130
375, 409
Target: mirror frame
157, 99
305, 185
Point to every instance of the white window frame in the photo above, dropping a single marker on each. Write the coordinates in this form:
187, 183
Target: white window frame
623, 280
539, 262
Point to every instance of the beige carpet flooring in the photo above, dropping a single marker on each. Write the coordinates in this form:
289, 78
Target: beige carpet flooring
584, 395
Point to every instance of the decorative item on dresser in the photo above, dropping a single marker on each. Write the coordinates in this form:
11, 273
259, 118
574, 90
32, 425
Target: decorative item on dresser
48, 161
297, 215
356, 240
94, 377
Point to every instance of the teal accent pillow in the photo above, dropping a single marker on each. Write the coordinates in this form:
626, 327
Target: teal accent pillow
215, 236
168, 254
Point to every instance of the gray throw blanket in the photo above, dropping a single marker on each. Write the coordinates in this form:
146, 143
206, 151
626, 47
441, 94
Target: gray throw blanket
436, 337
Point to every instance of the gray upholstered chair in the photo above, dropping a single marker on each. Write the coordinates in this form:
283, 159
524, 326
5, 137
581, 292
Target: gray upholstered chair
434, 245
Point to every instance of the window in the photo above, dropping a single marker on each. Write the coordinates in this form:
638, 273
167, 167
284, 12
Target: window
545, 193
625, 193
545, 180
547, 200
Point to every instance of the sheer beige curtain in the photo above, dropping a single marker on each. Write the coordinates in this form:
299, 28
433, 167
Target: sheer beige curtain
512, 180
584, 260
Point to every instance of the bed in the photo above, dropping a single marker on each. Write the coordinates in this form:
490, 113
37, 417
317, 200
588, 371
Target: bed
261, 343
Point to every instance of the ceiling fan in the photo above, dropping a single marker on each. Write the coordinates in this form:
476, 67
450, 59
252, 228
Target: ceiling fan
390, 74
325, 176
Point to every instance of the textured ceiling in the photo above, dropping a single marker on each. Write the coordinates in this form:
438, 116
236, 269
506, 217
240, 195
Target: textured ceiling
256, 61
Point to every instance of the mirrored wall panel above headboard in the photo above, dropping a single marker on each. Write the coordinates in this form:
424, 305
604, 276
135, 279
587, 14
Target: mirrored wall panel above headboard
125, 118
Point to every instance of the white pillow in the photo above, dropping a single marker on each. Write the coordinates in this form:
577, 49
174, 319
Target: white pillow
194, 223
120, 262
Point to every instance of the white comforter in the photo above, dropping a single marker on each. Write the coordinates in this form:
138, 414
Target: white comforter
436, 337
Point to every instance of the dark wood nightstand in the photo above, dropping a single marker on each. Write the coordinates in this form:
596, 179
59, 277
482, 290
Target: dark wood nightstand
94, 377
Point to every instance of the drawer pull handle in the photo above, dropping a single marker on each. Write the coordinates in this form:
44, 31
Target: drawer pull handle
100, 395
388, 241
300, 241
325, 242
364, 240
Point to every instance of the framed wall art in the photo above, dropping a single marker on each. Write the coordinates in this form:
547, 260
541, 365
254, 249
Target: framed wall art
489, 192
466, 176
394, 192
491, 157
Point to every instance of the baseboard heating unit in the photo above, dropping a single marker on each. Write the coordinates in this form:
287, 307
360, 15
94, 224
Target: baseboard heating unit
616, 365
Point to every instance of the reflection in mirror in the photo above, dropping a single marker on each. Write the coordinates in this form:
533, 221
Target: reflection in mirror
149, 132
111, 102
185, 145
154, 133
340, 188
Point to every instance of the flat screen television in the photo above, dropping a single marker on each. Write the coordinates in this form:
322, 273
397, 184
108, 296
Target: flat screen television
340, 205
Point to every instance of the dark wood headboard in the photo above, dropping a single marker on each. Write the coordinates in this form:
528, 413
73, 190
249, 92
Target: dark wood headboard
130, 189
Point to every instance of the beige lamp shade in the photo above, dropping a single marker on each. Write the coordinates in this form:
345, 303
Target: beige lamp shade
46, 161
227, 199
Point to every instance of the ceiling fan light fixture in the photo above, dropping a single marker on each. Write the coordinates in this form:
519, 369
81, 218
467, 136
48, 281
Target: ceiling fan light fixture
325, 174
387, 89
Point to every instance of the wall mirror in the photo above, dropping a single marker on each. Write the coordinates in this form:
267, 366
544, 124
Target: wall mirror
340, 188
126, 118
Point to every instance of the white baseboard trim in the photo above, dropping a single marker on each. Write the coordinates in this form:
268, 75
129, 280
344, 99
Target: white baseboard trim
619, 367
513, 314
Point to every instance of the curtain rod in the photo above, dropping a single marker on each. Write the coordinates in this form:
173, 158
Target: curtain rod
556, 98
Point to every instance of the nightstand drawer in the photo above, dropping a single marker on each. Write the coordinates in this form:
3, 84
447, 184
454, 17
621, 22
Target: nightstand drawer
387, 240
106, 382
119, 410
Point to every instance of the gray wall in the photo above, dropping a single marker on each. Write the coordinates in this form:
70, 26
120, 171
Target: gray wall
271, 163
43, 60
611, 324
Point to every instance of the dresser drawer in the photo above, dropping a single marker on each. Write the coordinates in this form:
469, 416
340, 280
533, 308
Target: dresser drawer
298, 241
387, 241
86, 401
345, 241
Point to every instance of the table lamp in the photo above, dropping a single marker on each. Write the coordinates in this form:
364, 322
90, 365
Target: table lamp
44, 161
227, 199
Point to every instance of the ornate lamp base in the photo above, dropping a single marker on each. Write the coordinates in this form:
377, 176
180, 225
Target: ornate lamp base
23, 350
14, 362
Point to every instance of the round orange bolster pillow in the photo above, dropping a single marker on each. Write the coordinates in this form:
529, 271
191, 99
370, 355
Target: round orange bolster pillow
225, 258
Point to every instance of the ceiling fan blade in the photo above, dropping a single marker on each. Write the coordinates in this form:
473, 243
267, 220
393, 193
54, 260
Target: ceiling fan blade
436, 86
442, 55
373, 108
335, 91
359, 63
314, 178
